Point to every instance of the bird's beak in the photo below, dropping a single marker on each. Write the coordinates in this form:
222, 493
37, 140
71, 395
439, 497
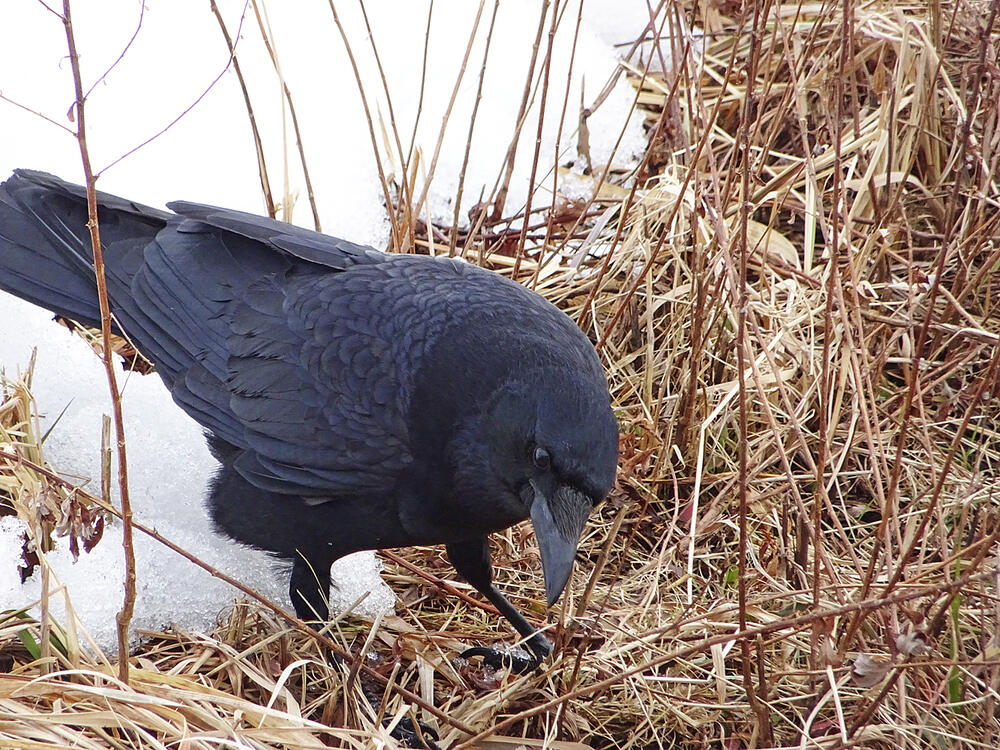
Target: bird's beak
558, 523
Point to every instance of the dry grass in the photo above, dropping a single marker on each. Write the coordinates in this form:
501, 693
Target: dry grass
796, 306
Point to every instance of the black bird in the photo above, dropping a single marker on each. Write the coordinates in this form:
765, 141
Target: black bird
355, 399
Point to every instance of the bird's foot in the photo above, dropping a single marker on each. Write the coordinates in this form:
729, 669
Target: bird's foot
517, 659
417, 735
501, 659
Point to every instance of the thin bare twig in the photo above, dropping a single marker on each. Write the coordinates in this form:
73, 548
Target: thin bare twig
447, 114
453, 239
265, 183
409, 209
546, 68
38, 114
748, 116
125, 49
187, 109
396, 238
501, 197
265, 33
124, 617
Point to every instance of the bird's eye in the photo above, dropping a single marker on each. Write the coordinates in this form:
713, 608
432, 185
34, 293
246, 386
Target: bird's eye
540, 457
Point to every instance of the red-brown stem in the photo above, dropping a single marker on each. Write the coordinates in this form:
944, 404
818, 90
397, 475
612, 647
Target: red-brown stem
501, 197
265, 182
749, 115
124, 617
547, 67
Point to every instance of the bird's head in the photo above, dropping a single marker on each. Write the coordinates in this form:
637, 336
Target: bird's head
552, 441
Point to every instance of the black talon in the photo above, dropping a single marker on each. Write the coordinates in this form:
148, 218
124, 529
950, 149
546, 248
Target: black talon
538, 644
472, 560
497, 659
418, 736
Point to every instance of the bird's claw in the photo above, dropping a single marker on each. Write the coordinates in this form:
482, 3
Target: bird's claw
419, 736
518, 663
499, 659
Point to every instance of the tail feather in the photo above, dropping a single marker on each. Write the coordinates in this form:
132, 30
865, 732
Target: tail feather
46, 259
45, 251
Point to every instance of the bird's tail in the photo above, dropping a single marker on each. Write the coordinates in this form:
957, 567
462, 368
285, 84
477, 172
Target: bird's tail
45, 250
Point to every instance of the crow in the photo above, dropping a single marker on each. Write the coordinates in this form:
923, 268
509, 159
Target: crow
354, 399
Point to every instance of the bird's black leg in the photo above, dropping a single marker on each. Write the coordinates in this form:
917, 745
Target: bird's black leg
310, 587
310, 592
472, 561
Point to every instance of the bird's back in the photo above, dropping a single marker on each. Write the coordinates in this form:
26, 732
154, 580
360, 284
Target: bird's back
302, 351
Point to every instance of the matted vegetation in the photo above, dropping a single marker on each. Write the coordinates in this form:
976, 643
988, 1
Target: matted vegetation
795, 299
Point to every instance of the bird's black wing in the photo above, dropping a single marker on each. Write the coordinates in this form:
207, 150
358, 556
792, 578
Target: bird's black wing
298, 348
45, 254
305, 244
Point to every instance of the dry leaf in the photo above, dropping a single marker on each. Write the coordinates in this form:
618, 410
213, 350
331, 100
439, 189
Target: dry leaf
869, 671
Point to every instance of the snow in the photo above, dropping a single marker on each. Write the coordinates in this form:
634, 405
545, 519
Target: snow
208, 156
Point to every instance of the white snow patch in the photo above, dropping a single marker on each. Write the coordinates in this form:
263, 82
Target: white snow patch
208, 155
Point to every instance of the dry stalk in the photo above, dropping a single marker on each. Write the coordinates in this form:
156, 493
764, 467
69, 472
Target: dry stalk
124, 617
265, 183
